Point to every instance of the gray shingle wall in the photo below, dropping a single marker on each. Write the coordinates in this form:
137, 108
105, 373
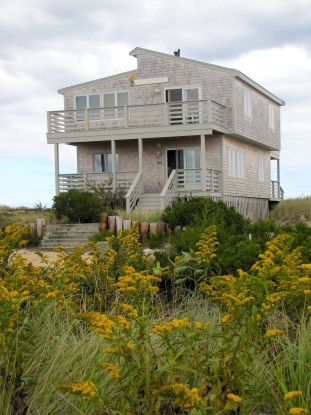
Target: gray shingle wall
249, 185
257, 127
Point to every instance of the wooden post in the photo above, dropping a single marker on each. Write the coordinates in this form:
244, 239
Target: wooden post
103, 221
112, 223
127, 224
119, 223
153, 228
144, 226
56, 159
113, 166
203, 164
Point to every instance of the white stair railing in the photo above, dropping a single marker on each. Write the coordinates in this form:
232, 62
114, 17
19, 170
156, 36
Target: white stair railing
169, 191
134, 192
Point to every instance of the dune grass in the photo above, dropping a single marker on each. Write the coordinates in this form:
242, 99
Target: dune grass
290, 211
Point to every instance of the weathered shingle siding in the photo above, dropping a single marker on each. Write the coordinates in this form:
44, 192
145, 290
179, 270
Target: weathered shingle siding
249, 185
215, 84
256, 127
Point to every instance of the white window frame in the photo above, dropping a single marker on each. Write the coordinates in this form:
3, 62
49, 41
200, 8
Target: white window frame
80, 116
271, 116
115, 112
248, 102
261, 169
106, 162
235, 163
194, 111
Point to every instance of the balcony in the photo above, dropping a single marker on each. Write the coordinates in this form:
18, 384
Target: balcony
186, 113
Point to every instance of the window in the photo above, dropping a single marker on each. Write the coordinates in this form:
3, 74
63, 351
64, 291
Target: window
235, 163
261, 169
103, 163
113, 100
187, 113
271, 116
247, 102
83, 102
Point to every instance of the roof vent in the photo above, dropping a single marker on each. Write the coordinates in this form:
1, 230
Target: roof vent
177, 53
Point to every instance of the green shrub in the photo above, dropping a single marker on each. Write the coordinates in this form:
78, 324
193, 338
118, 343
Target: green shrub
111, 200
204, 212
78, 206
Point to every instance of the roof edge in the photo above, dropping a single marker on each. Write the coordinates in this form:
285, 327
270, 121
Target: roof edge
68, 88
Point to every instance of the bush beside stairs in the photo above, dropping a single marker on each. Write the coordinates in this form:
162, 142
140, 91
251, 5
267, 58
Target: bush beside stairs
67, 235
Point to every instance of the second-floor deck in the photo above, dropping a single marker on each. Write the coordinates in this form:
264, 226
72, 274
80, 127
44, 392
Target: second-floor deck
185, 113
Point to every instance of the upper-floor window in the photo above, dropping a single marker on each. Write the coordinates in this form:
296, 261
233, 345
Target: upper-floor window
235, 163
247, 102
261, 169
103, 163
83, 102
93, 102
271, 116
114, 102
183, 113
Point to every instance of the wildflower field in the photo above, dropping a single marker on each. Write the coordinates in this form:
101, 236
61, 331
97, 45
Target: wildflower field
116, 334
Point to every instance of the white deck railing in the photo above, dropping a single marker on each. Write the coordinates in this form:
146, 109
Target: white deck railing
134, 192
213, 181
187, 180
276, 190
151, 115
169, 191
84, 181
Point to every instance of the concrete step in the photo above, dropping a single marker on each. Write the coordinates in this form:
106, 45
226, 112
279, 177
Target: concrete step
149, 201
67, 235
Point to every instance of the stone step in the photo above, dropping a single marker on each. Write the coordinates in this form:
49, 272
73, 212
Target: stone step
67, 235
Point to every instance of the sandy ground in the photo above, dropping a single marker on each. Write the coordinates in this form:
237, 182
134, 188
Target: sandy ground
31, 256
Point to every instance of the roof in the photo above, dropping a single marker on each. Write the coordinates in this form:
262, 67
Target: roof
141, 51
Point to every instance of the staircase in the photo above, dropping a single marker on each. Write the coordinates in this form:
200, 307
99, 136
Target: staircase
68, 236
149, 201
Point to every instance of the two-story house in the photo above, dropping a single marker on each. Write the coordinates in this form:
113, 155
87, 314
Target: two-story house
173, 127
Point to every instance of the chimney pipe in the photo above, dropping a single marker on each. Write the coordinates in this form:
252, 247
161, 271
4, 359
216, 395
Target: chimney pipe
177, 53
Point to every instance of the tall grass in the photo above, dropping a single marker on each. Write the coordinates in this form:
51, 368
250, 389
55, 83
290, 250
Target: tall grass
141, 215
8, 215
290, 211
59, 350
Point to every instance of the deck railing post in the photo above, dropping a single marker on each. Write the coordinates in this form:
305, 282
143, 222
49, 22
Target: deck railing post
125, 116
166, 114
49, 122
86, 119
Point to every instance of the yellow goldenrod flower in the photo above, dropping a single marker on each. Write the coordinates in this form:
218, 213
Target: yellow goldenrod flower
114, 372
234, 398
87, 389
168, 327
181, 395
298, 411
274, 332
292, 394
129, 345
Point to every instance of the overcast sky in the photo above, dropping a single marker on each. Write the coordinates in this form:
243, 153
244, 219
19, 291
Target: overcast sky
49, 44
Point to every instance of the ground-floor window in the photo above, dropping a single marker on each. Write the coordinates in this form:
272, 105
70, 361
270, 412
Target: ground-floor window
103, 163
